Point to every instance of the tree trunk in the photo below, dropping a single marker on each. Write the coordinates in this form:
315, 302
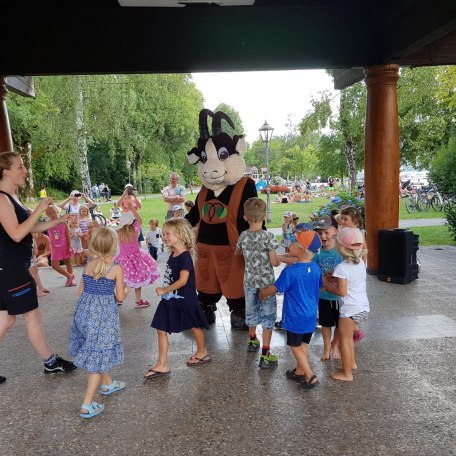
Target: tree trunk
29, 190
82, 143
351, 163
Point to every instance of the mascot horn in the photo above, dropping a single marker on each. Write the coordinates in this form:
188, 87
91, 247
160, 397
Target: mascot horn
219, 211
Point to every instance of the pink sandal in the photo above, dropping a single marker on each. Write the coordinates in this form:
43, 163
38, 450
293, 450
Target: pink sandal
141, 303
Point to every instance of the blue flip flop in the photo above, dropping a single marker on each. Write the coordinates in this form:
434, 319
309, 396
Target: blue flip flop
94, 409
116, 385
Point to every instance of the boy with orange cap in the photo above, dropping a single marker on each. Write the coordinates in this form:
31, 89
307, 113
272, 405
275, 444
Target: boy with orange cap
300, 283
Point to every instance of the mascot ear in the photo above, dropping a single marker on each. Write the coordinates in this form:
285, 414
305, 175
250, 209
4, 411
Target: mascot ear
240, 144
192, 156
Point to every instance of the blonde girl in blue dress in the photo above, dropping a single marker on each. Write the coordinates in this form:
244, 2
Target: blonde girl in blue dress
95, 340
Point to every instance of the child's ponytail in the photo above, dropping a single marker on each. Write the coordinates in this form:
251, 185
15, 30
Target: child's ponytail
352, 255
100, 269
103, 244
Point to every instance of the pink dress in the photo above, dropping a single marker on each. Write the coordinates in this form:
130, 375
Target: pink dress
58, 240
139, 268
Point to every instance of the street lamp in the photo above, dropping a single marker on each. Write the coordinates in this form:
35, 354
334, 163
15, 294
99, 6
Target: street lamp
266, 135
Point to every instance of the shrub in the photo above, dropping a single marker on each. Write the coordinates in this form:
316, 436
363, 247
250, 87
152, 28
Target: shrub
443, 168
343, 199
450, 212
276, 189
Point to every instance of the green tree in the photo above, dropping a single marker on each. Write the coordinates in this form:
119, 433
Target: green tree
331, 159
138, 118
425, 116
443, 169
347, 129
234, 116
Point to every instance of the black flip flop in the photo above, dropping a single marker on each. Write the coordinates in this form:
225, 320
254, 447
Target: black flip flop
291, 375
306, 386
204, 360
155, 374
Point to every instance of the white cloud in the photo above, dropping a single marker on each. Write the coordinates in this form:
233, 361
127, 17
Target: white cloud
264, 95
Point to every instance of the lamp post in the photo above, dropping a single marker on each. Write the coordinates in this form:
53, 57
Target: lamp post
266, 134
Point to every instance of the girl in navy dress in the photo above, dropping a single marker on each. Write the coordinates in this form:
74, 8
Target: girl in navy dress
95, 332
178, 309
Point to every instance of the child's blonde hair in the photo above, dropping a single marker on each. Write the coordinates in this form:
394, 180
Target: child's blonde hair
183, 230
84, 208
351, 255
55, 207
254, 210
155, 221
127, 232
103, 244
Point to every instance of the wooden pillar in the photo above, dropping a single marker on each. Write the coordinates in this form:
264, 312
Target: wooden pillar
6, 141
381, 156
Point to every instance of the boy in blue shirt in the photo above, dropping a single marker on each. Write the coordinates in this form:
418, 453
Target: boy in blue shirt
328, 305
300, 283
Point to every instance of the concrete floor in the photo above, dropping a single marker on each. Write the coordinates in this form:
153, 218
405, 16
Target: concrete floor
402, 401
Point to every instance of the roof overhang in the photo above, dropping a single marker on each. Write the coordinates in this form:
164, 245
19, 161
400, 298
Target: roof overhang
95, 37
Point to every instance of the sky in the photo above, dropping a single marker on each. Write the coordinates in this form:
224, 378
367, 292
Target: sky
264, 95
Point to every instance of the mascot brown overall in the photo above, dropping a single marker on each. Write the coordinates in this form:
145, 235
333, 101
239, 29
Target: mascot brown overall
219, 210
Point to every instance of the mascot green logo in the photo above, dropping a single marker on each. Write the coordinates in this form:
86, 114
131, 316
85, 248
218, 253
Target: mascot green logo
214, 211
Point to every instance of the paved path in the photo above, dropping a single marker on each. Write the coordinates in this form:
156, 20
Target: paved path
402, 401
421, 222
402, 224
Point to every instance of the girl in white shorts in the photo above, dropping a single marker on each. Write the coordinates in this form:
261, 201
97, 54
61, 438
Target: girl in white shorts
349, 282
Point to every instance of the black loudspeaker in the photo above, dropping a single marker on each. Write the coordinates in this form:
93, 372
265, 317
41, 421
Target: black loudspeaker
397, 256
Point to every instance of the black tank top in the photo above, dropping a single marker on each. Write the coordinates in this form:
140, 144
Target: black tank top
21, 250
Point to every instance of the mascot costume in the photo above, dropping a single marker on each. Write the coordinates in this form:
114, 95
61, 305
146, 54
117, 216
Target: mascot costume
219, 211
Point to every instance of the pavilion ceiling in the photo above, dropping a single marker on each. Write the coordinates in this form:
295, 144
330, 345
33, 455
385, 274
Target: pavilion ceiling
101, 36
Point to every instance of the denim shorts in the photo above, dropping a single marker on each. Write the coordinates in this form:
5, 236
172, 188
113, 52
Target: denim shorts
258, 312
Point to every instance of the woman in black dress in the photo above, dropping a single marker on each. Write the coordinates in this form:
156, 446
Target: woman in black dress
17, 287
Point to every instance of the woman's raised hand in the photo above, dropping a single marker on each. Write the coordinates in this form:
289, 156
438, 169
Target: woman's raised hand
66, 218
44, 204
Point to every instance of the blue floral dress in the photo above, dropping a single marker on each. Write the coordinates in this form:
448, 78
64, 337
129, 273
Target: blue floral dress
95, 341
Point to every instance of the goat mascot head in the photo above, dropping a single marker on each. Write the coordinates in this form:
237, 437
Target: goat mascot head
220, 158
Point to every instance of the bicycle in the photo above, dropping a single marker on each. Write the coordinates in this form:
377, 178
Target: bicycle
424, 202
449, 201
425, 197
98, 218
411, 203
438, 202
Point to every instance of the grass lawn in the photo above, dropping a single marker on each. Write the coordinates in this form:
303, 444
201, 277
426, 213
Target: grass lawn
154, 207
433, 235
